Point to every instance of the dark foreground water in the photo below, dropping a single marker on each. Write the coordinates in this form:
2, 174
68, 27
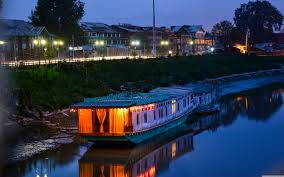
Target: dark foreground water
245, 140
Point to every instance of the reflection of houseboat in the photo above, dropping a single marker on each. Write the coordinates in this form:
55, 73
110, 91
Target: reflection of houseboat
144, 160
136, 117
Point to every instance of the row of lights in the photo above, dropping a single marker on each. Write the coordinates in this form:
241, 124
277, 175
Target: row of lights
43, 42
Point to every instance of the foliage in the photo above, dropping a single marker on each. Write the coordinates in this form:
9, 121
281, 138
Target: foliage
261, 18
224, 31
60, 17
58, 86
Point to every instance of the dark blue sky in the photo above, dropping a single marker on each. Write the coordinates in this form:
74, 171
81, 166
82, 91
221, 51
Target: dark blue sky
169, 12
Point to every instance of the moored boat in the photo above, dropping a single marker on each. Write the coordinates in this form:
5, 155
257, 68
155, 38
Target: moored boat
136, 117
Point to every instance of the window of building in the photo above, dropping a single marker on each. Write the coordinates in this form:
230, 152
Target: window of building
178, 107
154, 115
145, 118
184, 103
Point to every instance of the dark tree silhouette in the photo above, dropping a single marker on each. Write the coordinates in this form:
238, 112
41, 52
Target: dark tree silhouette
60, 17
261, 18
224, 31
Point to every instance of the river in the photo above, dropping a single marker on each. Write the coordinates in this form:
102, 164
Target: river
245, 139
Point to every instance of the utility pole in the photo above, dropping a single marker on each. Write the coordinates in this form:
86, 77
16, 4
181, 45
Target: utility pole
247, 36
154, 50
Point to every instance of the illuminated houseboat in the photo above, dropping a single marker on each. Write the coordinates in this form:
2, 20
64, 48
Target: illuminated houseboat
136, 117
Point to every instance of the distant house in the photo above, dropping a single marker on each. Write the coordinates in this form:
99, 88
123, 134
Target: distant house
105, 39
18, 36
145, 36
102, 32
192, 39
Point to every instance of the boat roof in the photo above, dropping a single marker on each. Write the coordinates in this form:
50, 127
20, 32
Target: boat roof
128, 99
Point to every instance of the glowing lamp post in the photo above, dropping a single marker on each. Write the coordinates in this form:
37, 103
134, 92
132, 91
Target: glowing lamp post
39, 43
191, 43
165, 44
100, 45
135, 44
58, 44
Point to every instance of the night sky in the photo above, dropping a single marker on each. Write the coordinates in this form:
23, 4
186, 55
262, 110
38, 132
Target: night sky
169, 12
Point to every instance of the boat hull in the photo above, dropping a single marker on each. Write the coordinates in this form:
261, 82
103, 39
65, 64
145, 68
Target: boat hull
136, 138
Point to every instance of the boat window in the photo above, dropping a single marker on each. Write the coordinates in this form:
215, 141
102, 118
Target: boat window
173, 106
145, 117
137, 119
146, 164
138, 168
166, 111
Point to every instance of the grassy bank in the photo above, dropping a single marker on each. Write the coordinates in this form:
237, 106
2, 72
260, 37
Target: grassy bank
53, 87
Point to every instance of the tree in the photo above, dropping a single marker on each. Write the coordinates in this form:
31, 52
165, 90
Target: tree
261, 18
223, 31
60, 17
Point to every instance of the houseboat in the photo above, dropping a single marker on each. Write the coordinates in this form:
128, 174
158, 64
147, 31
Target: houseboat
136, 117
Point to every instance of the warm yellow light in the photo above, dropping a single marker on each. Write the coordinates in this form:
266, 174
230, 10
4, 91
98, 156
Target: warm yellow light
164, 43
61, 43
35, 42
191, 42
55, 43
174, 106
135, 43
170, 52
2, 42
100, 43
43, 42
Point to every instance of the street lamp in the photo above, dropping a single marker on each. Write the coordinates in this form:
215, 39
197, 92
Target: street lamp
165, 43
135, 44
39, 43
191, 43
100, 45
58, 44
2, 42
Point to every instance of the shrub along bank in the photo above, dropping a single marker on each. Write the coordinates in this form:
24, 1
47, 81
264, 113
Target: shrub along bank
53, 87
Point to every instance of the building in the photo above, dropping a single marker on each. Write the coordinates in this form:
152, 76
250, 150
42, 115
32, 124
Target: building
192, 39
166, 39
17, 38
105, 39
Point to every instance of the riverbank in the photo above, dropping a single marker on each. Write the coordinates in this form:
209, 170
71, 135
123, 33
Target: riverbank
50, 88
45, 140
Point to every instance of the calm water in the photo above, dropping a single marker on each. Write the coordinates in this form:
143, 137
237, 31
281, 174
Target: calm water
245, 139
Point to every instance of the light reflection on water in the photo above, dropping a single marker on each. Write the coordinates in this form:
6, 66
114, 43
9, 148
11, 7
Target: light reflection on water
245, 139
